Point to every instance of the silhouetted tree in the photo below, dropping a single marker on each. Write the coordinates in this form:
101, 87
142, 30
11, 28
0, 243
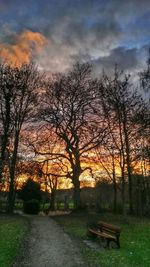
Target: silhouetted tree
107, 159
18, 102
51, 173
7, 94
68, 107
121, 104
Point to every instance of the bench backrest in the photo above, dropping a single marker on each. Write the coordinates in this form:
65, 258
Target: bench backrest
109, 228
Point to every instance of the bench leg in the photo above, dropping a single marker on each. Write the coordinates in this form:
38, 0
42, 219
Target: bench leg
108, 242
91, 235
118, 243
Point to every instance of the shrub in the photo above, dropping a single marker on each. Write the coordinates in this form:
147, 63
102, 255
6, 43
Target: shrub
30, 190
31, 206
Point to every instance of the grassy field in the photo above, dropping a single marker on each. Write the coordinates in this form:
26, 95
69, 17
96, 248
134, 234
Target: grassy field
12, 232
135, 240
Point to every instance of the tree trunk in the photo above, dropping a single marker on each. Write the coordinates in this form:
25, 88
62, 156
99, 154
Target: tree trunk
76, 195
3, 154
52, 200
11, 194
128, 161
114, 186
5, 136
130, 186
11, 197
115, 198
139, 198
123, 196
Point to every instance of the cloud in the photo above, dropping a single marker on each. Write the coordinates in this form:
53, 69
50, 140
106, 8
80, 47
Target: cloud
104, 32
77, 34
24, 46
97, 30
127, 60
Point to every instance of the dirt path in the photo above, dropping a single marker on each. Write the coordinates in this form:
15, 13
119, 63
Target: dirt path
49, 246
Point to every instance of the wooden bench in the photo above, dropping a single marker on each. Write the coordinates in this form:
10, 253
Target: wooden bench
105, 231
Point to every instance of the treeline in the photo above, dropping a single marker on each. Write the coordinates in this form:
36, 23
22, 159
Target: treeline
72, 118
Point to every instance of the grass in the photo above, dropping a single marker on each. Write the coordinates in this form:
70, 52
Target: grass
12, 232
135, 240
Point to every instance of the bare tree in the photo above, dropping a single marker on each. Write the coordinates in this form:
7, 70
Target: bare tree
52, 173
121, 103
20, 95
68, 107
143, 118
145, 76
7, 84
107, 158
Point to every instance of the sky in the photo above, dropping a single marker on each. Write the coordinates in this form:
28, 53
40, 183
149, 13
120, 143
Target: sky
57, 33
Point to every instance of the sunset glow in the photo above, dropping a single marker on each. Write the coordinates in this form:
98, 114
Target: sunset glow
27, 45
74, 99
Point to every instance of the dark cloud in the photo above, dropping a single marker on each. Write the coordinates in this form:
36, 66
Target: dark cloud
127, 60
124, 58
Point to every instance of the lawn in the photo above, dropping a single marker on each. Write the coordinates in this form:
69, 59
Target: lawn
12, 232
135, 240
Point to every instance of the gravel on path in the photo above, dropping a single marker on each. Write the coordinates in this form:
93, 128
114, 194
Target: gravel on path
49, 246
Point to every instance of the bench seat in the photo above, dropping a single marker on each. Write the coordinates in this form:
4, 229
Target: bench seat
102, 234
105, 231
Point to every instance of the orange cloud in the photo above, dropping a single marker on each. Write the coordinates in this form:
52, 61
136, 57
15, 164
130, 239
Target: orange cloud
28, 43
